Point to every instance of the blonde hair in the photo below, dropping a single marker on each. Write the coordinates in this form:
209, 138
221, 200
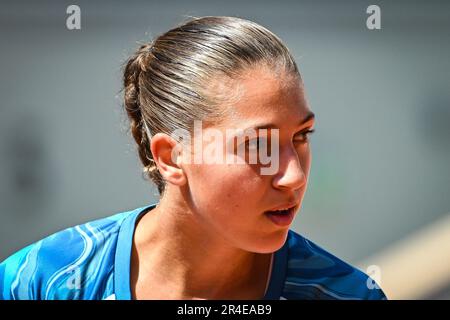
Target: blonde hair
168, 82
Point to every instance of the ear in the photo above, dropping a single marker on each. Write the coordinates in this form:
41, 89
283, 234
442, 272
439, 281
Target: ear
166, 154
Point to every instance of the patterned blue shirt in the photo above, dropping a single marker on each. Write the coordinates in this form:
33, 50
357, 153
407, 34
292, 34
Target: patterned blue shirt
92, 261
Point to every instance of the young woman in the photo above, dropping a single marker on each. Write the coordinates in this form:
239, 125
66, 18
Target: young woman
221, 227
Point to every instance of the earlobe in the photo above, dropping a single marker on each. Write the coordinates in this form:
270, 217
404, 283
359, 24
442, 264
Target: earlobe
175, 177
172, 174
176, 174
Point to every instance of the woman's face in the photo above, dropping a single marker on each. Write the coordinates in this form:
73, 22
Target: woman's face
235, 200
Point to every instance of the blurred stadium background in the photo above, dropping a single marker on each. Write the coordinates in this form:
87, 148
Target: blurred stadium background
379, 190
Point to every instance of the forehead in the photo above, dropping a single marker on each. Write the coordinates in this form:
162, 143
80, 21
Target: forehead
267, 97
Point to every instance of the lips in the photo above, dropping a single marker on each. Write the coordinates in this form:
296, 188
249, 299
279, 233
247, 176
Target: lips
282, 215
285, 206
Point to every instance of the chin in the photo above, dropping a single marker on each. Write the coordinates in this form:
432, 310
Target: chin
271, 243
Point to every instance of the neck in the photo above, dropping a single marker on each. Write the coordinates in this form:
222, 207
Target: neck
173, 248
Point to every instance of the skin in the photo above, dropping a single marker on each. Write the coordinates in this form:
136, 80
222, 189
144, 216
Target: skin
209, 238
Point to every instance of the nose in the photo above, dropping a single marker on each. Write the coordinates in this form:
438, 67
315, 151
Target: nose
291, 174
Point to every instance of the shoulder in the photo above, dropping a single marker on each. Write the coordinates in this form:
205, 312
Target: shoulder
313, 273
76, 263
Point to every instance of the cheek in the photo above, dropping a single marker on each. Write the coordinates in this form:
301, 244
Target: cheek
224, 185
223, 178
305, 158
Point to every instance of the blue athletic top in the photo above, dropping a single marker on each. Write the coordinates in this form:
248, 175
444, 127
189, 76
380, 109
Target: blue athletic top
92, 261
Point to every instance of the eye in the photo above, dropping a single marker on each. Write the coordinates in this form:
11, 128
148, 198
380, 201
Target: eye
303, 136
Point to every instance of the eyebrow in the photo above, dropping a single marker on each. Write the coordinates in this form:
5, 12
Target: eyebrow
309, 116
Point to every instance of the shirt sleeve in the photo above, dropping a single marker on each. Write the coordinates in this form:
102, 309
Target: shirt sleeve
17, 274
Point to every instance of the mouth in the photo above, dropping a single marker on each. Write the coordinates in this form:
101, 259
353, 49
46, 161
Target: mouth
282, 217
